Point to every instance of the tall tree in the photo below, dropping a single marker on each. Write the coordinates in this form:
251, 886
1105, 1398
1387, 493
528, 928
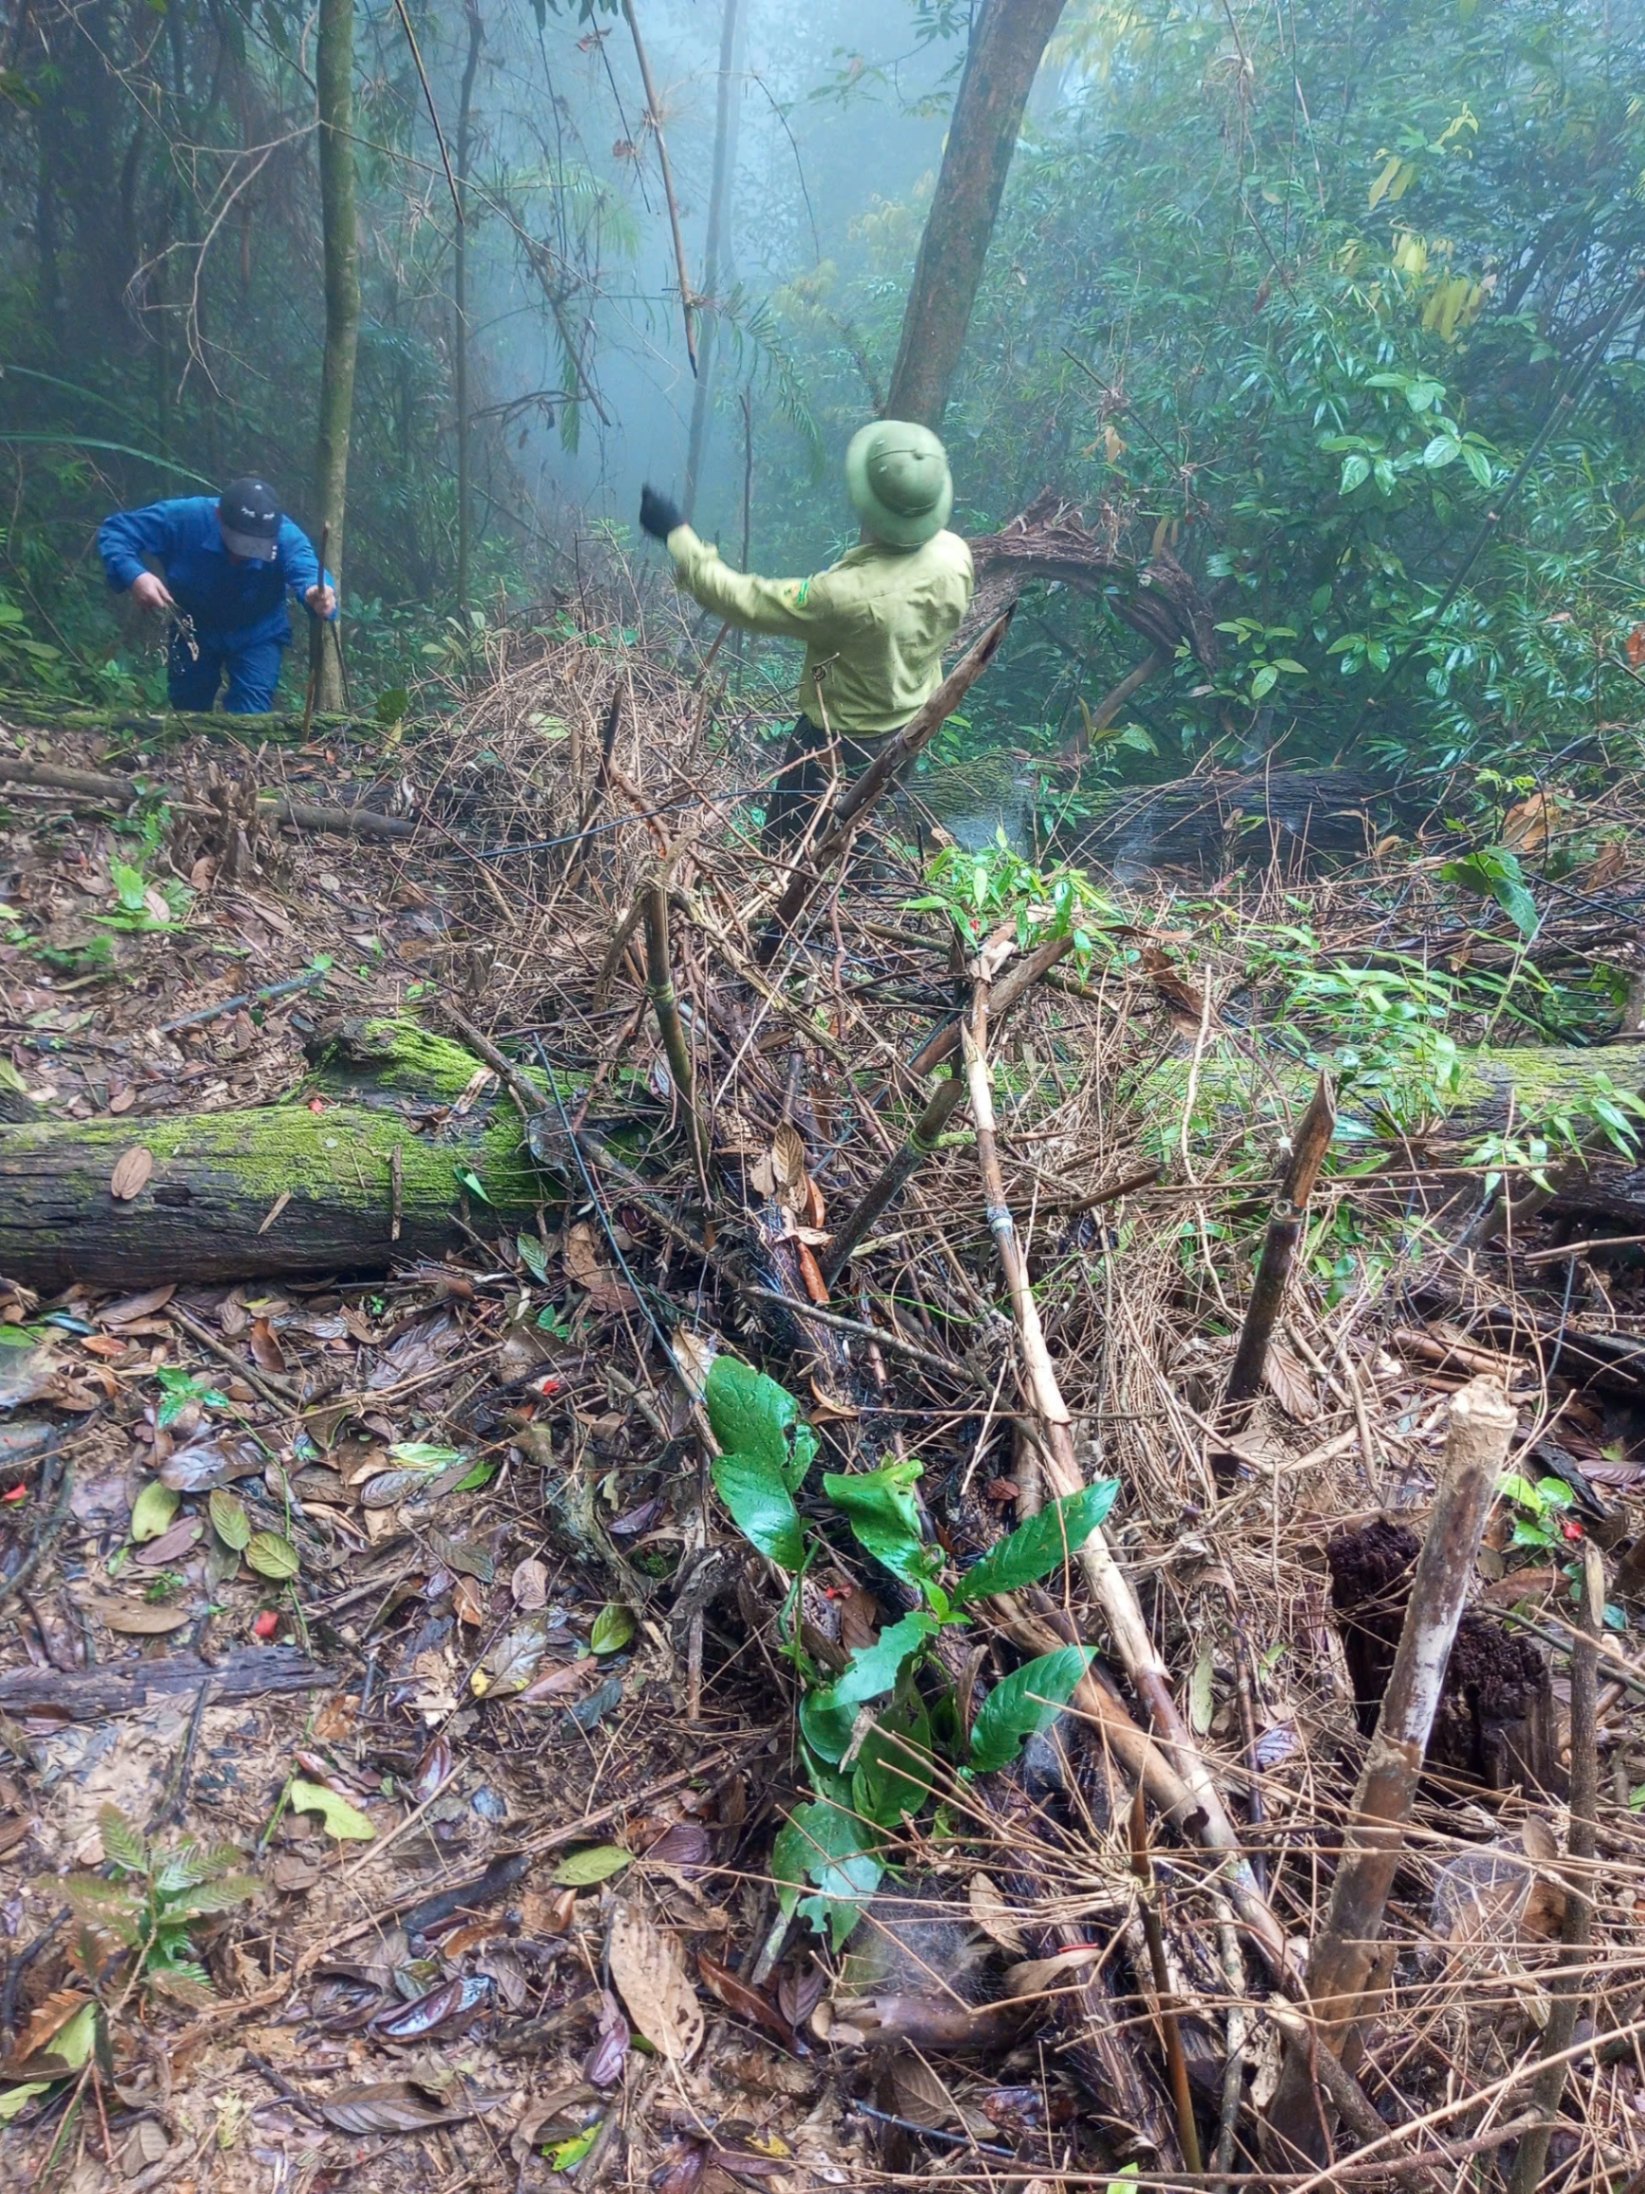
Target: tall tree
340, 231
1008, 42
716, 249
459, 295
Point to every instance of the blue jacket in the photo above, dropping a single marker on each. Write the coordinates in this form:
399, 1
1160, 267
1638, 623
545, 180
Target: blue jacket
233, 605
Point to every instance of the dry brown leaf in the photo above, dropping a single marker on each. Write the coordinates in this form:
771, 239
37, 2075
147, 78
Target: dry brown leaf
265, 1346
648, 1971
583, 1264
138, 1618
991, 1913
1291, 1384
1529, 823
133, 1170
469, 1600
529, 1584
130, 1307
48, 2018
1038, 1976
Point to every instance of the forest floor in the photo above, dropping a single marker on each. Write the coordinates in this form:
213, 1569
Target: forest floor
417, 1591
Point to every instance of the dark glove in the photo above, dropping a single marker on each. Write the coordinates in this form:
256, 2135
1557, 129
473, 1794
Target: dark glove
659, 515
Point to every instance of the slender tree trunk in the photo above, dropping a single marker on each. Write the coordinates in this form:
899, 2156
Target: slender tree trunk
716, 251
459, 297
334, 76
1008, 40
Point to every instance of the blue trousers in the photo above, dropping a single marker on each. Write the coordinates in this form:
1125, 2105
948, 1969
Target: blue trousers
193, 679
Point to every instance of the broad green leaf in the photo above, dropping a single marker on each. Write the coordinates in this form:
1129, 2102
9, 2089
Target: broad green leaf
152, 1511
760, 1504
1042, 1544
472, 1182
594, 1863
1444, 449
422, 1455
229, 1519
613, 1627
1027, 1701
879, 1506
1356, 470
894, 1771
13, 2098
825, 1846
73, 2044
752, 1415
566, 2155
532, 1255
828, 1716
1264, 682
271, 1554
344, 1821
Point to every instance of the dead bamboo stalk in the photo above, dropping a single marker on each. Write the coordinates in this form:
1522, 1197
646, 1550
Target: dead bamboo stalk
1313, 1139
945, 1041
920, 1142
1345, 1952
666, 1006
1170, 2027
1577, 1927
1061, 1465
861, 795
654, 115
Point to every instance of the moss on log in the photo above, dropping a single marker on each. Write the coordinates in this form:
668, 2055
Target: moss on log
1240, 1093
284, 1190
161, 727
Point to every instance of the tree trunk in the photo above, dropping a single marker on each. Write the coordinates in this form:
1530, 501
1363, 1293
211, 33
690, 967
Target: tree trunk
354, 1186
459, 298
1007, 43
716, 252
340, 230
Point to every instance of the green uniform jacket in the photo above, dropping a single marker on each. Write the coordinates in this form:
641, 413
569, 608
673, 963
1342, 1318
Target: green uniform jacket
874, 625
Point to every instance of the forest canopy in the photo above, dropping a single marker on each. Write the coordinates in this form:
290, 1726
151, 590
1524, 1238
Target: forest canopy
1341, 306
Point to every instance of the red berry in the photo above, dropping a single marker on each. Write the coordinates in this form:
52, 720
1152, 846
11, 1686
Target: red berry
266, 1624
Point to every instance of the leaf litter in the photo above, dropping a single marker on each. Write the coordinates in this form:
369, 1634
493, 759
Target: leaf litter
548, 1824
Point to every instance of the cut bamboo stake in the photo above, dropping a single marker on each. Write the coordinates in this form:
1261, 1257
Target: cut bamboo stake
660, 989
920, 1143
1170, 2028
1022, 977
859, 796
1112, 1588
1340, 1967
1576, 1930
1279, 1247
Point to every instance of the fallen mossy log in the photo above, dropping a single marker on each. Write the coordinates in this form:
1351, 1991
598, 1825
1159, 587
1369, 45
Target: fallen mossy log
1241, 1091
371, 1163
159, 727
119, 792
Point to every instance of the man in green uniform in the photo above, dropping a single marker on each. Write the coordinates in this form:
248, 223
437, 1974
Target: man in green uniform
874, 625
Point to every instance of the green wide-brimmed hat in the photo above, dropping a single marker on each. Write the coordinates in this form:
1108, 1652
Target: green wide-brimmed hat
899, 482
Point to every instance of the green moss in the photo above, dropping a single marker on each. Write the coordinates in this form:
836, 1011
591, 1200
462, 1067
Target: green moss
341, 1158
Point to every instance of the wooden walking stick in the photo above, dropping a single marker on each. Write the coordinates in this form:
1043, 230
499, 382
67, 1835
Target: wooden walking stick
316, 643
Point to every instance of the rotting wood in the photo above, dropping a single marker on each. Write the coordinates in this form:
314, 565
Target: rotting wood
1344, 1954
121, 1687
356, 822
205, 1211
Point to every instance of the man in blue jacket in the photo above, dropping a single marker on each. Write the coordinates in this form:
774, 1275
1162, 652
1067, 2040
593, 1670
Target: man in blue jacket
227, 563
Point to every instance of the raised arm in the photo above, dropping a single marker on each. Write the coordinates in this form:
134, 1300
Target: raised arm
792, 609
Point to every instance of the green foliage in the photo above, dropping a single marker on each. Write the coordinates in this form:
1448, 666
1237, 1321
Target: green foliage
868, 1735
141, 1918
981, 892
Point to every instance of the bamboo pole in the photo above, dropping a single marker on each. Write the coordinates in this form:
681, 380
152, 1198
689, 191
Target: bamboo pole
666, 1006
1577, 1928
1063, 1475
1345, 1952
920, 1143
654, 115
1279, 1247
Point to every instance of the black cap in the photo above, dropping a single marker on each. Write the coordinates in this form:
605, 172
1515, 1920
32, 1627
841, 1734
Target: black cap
248, 511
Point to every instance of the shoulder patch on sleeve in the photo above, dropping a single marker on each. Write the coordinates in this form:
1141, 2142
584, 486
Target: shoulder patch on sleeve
802, 593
